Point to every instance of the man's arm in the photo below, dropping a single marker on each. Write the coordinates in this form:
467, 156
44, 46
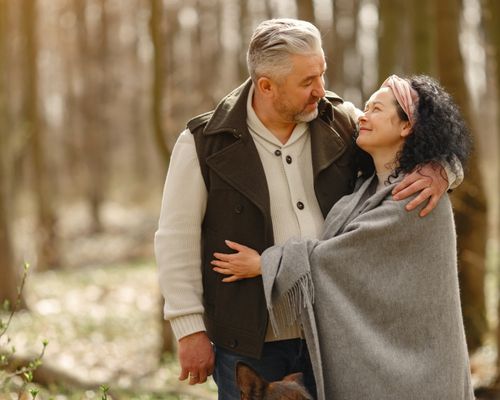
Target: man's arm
178, 255
432, 181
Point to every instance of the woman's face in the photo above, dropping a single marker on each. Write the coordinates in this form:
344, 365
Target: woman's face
381, 131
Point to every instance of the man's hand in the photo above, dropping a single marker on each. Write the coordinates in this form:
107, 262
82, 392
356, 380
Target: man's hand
196, 357
430, 180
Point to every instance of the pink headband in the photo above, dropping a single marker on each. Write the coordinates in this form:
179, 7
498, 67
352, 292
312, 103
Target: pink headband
405, 95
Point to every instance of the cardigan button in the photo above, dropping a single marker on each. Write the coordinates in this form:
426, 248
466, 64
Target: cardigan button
238, 209
300, 205
233, 343
277, 153
288, 159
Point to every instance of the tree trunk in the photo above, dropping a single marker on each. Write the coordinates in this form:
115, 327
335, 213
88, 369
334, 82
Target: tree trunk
269, 9
423, 37
390, 31
244, 22
202, 48
92, 108
72, 118
305, 10
469, 199
48, 254
353, 67
491, 14
343, 29
159, 69
97, 103
9, 281
139, 135
159, 63
210, 47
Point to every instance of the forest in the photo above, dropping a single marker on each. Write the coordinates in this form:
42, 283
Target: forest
93, 95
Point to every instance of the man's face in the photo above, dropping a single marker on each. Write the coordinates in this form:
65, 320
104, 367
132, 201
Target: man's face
298, 93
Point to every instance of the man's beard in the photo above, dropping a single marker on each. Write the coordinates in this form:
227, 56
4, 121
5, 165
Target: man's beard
300, 116
305, 116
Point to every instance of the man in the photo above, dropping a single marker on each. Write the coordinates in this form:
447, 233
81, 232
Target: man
266, 165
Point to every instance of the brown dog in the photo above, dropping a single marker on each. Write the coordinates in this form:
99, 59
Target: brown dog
254, 387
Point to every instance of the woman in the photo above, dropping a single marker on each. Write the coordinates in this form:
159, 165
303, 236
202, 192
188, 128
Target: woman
386, 321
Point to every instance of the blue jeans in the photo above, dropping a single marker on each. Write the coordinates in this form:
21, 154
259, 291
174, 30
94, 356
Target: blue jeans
278, 360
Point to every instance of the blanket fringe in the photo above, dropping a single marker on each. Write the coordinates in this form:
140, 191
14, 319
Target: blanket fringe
287, 310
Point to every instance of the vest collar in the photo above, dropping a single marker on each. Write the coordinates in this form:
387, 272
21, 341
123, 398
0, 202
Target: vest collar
230, 116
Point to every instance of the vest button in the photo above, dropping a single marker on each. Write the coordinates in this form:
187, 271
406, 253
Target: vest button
300, 205
288, 159
233, 343
238, 209
277, 153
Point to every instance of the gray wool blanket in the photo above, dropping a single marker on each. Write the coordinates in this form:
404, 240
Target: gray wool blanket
378, 300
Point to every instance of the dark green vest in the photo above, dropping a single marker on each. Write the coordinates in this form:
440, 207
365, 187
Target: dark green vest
238, 206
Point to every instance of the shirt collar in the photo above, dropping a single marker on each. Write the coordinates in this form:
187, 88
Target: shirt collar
257, 127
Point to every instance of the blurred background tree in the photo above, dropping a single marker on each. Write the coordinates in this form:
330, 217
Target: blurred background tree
9, 280
469, 199
93, 94
491, 17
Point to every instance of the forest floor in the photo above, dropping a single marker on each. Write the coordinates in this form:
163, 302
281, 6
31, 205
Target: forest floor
101, 317
103, 327
101, 312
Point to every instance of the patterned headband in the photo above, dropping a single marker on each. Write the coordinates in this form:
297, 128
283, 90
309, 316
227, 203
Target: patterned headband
405, 95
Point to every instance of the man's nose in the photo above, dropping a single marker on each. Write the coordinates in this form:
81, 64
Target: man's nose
319, 89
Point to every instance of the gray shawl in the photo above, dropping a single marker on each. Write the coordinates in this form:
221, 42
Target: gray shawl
378, 300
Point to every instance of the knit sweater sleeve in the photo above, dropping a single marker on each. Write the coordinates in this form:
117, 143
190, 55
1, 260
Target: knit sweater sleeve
178, 238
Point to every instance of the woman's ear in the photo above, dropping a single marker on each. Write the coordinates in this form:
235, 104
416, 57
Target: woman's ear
406, 130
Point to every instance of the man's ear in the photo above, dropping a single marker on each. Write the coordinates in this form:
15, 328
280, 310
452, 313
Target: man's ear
251, 384
265, 86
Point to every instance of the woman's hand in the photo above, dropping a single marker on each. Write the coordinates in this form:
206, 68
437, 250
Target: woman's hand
243, 264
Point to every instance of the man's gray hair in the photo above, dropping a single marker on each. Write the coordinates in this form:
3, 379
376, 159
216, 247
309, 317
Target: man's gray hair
272, 43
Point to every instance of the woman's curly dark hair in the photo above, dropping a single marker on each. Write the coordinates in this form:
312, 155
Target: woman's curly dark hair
438, 135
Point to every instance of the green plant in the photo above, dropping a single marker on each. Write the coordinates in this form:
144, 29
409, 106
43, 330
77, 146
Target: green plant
7, 350
104, 392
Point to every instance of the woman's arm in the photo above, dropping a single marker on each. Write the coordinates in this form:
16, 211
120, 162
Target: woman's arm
241, 265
